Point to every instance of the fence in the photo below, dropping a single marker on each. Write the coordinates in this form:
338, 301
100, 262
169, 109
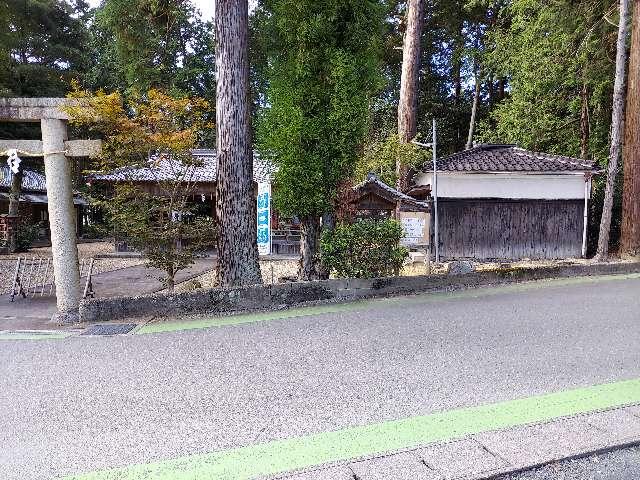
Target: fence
27, 277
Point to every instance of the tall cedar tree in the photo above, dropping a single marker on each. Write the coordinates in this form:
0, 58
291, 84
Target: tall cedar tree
41, 50
617, 130
324, 69
143, 44
559, 58
630, 240
235, 199
408, 104
43, 45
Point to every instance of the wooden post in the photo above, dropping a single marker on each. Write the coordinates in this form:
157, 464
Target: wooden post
88, 286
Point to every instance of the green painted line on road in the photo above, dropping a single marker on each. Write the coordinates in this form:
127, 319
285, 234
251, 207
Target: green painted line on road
163, 327
280, 456
225, 320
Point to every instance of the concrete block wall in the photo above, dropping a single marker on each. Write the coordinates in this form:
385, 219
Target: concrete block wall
217, 301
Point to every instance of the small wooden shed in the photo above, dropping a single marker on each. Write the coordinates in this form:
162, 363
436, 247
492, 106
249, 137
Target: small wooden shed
375, 199
505, 202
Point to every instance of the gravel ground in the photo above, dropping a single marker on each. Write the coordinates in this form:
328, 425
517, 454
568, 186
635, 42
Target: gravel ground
273, 271
85, 250
90, 402
618, 465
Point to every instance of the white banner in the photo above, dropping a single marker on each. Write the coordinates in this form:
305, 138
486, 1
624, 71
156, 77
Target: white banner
264, 218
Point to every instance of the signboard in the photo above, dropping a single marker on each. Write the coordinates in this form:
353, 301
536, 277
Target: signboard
264, 218
416, 230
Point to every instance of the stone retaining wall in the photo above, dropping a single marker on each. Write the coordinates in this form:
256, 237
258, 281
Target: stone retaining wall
269, 297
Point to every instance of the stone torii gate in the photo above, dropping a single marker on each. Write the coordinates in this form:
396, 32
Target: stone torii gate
56, 150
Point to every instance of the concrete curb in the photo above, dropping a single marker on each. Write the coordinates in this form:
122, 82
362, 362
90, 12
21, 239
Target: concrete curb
279, 296
491, 455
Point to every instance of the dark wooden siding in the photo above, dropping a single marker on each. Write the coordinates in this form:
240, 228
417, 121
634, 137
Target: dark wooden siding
486, 229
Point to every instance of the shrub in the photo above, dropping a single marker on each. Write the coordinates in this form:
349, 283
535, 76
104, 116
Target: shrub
26, 234
364, 249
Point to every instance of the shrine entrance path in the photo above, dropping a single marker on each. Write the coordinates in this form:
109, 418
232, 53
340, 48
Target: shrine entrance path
35, 313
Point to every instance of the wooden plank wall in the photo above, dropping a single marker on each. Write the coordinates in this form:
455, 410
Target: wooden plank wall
488, 229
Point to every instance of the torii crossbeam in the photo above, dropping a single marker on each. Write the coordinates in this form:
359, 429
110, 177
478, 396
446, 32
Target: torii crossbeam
56, 150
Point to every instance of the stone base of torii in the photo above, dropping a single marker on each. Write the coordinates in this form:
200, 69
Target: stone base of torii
56, 150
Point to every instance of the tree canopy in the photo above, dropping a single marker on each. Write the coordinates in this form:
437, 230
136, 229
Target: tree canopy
324, 70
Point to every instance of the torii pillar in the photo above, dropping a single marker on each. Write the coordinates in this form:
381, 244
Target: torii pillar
56, 151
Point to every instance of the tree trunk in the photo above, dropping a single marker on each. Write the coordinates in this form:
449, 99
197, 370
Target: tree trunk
457, 80
617, 129
630, 240
170, 281
310, 232
329, 224
408, 104
474, 110
501, 87
492, 91
14, 208
585, 128
235, 199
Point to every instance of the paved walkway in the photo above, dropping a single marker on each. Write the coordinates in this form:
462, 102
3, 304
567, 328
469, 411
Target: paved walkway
621, 464
141, 280
35, 313
248, 396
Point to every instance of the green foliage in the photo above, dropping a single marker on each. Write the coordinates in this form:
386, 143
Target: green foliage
26, 234
365, 249
159, 221
380, 158
149, 224
550, 50
146, 44
323, 70
44, 43
42, 47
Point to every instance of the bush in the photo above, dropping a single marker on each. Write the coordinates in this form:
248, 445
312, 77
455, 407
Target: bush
365, 249
26, 234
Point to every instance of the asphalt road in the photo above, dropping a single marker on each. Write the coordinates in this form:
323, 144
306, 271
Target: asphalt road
85, 403
618, 465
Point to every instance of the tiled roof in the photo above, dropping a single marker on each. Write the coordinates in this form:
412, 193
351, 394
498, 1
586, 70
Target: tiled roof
509, 158
166, 170
393, 194
31, 181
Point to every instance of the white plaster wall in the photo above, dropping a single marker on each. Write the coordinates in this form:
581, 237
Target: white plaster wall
547, 186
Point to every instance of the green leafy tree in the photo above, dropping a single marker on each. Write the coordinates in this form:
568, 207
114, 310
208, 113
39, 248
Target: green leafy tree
42, 48
44, 43
158, 221
146, 44
559, 58
380, 157
324, 60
